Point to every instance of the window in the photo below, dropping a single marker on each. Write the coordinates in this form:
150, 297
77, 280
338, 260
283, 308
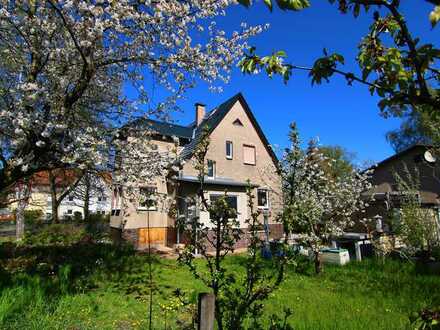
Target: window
117, 201
263, 198
102, 198
229, 150
230, 200
147, 200
237, 122
249, 157
211, 169
69, 211
70, 198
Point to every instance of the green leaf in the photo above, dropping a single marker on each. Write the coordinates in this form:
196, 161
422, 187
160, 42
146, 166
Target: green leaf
356, 10
245, 3
293, 4
268, 3
434, 16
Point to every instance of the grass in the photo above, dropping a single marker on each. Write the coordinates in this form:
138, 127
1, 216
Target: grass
91, 286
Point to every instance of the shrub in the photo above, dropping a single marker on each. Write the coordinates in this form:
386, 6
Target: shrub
33, 217
97, 225
57, 234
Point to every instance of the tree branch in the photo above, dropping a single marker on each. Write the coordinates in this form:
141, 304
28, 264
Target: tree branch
69, 29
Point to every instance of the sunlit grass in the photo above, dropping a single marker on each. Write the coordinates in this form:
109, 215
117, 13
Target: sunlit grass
366, 295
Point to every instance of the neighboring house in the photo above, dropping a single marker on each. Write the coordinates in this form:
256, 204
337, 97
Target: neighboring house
385, 197
40, 195
423, 167
238, 152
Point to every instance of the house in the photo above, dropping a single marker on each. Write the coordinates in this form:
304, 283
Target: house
423, 167
40, 198
386, 196
238, 152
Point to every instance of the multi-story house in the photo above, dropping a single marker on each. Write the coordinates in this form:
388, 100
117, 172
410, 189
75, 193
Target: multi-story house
238, 154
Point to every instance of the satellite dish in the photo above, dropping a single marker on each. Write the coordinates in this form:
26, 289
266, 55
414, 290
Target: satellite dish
429, 157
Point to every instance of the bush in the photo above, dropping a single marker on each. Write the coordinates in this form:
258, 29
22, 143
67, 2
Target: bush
436, 253
57, 234
97, 225
33, 217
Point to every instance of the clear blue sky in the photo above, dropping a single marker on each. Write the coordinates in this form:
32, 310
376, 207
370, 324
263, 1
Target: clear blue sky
338, 114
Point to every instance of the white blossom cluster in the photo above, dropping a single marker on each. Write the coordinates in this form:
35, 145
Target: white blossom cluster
142, 161
64, 64
317, 205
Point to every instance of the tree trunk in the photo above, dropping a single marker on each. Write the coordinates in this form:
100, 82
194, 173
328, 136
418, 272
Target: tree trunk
53, 195
86, 197
55, 218
19, 216
318, 263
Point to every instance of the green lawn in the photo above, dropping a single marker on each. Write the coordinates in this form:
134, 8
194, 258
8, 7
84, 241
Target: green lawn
100, 287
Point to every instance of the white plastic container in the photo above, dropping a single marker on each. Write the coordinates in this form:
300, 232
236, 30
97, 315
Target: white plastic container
335, 256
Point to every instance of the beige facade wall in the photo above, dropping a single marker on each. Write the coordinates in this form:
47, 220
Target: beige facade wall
37, 202
131, 217
263, 173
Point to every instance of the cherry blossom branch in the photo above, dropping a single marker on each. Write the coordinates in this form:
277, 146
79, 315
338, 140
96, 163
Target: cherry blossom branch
69, 30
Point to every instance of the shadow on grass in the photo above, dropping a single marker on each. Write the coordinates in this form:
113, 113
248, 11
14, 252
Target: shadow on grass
83, 265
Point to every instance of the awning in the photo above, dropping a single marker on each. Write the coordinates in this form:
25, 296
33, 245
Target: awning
215, 181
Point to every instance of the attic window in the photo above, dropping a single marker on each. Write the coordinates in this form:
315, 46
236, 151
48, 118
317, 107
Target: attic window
237, 122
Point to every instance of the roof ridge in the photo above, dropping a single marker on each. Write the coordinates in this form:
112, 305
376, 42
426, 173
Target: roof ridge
163, 122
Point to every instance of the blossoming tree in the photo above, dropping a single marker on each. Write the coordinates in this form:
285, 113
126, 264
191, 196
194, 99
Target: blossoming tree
317, 205
64, 64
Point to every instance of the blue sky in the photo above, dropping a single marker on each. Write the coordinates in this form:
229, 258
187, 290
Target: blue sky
338, 114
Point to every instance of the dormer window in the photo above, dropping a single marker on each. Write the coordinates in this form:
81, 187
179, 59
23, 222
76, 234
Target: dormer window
229, 150
211, 169
237, 122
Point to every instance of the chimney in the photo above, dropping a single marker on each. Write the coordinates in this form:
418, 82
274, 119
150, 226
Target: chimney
200, 113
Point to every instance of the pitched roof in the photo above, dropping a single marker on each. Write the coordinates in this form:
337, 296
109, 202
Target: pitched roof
213, 119
402, 153
65, 177
210, 121
164, 128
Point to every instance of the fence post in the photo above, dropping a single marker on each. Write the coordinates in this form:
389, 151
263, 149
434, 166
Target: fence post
206, 311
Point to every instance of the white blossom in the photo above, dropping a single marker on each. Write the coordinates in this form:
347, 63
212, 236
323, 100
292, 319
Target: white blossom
67, 62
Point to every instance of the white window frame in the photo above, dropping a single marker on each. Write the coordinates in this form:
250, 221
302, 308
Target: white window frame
231, 155
213, 168
152, 207
219, 195
267, 206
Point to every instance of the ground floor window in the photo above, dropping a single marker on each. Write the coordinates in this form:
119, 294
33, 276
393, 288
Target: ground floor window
231, 200
147, 199
263, 198
117, 201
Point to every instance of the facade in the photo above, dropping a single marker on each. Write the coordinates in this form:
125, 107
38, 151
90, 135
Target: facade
238, 152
